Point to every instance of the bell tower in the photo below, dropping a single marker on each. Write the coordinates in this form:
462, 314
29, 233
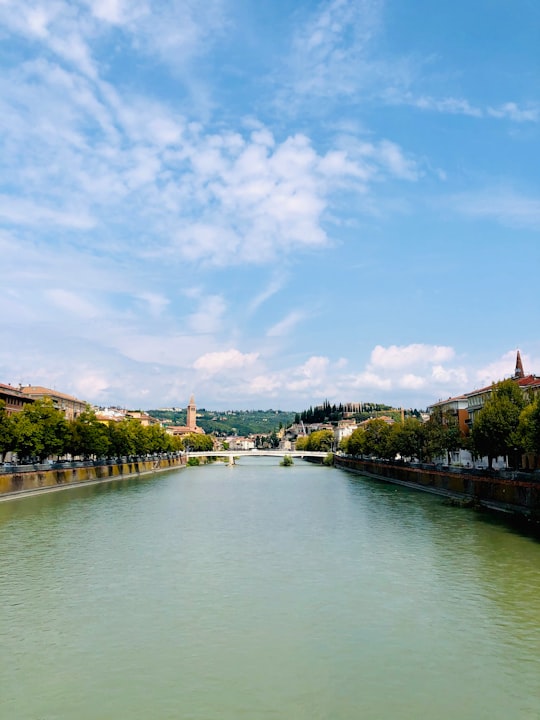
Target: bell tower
518, 372
191, 414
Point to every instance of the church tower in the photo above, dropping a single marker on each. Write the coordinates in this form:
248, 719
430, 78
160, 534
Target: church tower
518, 372
191, 414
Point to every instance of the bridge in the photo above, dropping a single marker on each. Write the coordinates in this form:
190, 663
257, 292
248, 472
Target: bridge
233, 454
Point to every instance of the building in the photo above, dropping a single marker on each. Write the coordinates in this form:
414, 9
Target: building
143, 417
69, 405
14, 399
191, 422
343, 429
191, 414
105, 415
240, 443
455, 407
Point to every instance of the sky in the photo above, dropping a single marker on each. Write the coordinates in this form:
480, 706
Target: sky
268, 204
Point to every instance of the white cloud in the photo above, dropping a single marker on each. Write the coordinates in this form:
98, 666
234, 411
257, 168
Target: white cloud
330, 52
402, 356
310, 376
72, 303
512, 111
218, 362
447, 105
455, 376
264, 385
208, 317
90, 384
370, 381
155, 302
21, 211
501, 368
200, 196
287, 324
273, 287
410, 381
502, 205
399, 166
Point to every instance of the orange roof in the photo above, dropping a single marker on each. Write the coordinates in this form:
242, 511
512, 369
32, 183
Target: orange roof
528, 381
450, 399
39, 390
11, 390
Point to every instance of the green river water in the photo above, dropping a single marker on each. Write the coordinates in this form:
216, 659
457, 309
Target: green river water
260, 592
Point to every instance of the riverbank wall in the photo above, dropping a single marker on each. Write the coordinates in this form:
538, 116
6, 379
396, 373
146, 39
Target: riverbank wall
514, 493
35, 481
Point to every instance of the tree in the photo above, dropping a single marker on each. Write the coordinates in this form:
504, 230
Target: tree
495, 428
442, 435
157, 439
7, 435
198, 443
377, 436
528, 429
121, 440
273, 439
355, 443
40, 430
140, 438
320, 441
408, 439
88, 436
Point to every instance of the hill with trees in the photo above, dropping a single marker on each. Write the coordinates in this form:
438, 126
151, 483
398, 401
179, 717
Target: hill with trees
223, 423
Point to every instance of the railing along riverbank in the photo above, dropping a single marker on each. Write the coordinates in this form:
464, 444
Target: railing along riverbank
516, 493
27, 479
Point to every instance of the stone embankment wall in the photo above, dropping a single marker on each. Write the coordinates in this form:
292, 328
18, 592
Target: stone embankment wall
516, 493
41, 480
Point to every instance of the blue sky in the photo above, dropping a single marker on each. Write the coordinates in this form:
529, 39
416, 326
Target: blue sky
268, 203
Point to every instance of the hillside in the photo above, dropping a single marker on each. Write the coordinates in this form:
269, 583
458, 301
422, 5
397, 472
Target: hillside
230, 422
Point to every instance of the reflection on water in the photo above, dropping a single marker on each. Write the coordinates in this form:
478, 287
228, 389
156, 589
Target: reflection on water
264, 592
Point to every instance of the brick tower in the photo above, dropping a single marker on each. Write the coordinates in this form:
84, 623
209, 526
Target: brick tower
191, 414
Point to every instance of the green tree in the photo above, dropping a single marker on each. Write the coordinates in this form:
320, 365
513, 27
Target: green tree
320, 441
88, 436
7, 431
356, 442
273, 439
121, 439
157, 439
528, 430
408, 439
442, 435
377, 439
199, 443
40, 430
495, 429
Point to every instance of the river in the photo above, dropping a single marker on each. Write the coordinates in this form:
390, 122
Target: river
259, 592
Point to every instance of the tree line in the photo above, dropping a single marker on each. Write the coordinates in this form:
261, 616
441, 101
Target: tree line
331, 413
41, 431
